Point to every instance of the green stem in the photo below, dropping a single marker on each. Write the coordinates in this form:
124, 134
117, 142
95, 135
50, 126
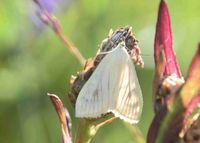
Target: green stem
136, 133
86, 131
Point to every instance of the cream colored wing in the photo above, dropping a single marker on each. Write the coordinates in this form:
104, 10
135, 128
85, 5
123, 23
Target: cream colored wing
113, 87
130, 102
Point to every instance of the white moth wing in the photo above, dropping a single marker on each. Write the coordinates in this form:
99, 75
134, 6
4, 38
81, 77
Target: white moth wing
94, 98
113, 87
130, 101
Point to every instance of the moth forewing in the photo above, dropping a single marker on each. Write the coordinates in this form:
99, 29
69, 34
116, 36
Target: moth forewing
113, 87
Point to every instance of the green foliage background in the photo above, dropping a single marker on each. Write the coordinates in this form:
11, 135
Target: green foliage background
33, 61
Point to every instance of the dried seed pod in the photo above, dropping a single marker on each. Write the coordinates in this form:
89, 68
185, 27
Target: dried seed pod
77, 82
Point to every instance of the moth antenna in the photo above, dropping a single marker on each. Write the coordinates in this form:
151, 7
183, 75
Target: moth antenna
104, 53
146, 55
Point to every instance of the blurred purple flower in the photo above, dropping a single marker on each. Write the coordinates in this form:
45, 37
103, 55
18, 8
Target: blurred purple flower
51, 6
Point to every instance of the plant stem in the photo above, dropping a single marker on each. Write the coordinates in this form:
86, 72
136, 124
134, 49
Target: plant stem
105, 122
51, 20
86, 131
68, 44
136, 133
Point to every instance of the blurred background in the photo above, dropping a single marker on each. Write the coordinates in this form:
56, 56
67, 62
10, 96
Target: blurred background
33, 61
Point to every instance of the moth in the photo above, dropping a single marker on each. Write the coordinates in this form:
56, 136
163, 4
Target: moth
112, 87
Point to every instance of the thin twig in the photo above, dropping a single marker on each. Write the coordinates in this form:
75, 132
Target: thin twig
105, 122
51, 20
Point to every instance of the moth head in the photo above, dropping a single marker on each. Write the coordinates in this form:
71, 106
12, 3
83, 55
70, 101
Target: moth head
116, 37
